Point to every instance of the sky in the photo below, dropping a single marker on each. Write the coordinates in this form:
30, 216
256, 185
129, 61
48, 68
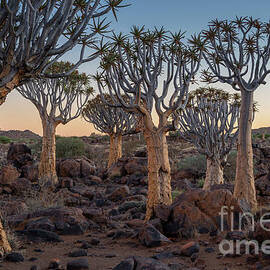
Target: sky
190, 16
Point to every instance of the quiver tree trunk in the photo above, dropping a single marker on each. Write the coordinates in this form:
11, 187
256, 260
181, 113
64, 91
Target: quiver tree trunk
115, 148
159, 171
244, 188
214, 173
47, 167
4, 244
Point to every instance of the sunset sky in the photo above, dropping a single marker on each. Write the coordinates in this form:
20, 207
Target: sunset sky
190, 16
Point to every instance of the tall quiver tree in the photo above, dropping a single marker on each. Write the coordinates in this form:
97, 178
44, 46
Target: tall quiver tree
110, 120
135, 68
32, 33
58, 101
237, 53
210, 122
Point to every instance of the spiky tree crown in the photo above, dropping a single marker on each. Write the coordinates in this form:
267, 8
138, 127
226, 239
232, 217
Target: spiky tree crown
210, 121
236, 51
108, 119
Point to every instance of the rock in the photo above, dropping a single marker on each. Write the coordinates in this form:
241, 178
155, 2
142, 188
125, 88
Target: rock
87, 168
34, 267
190, 248
199, 210
127, 264
131, 204
119, 193
151, 237
136, 166
141, 263
55, 264
14, 257
30, 172
75, 168
37, 235
67, 220
162, 212
66, 182
19, 155
78, 253
8, 175
94, 241
69, 168
43, 223
21, 186
79, 264
185, 174
117, 170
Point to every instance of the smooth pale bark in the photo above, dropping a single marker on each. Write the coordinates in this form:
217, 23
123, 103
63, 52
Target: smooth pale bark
159, 170
47, 165
115, 148
214, 173
244, 188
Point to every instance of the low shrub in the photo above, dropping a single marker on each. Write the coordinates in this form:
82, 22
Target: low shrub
5, 140
197, 163
67, 147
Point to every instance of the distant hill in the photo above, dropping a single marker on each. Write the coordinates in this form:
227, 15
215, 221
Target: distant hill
261, 130
19, 134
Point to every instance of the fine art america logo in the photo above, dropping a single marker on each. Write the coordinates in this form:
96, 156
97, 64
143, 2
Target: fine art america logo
232, 247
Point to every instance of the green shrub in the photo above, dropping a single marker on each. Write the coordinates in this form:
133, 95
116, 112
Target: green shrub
196, 163
200, 182
5, 140
69, 147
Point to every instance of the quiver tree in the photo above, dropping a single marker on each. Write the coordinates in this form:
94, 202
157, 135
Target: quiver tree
58, 101
36, 33
110, 120
237, 53
210, 122
135, 68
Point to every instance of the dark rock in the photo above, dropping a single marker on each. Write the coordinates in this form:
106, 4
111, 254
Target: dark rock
8, 175
151, 237
55, 264
190, 248
94, 241
14, 257
30, 172
79, 264
78, 253
119, 193
19, 155
42, 235
127, 264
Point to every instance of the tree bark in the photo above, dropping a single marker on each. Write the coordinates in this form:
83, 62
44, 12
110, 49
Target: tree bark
115, 148
244, 188
159, 171
214, 173
47, 167
4, 244
5, 90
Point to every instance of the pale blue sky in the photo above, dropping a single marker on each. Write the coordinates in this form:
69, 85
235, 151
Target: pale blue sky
190, 16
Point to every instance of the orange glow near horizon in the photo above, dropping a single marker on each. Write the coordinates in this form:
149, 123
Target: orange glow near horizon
20, 114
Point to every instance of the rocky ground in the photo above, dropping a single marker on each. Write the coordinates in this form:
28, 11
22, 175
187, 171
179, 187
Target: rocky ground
94, 218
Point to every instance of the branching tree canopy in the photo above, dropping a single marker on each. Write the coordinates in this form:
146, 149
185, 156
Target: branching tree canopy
58, 101
111, 120
210, 122
153, 70
36, 33
237, 52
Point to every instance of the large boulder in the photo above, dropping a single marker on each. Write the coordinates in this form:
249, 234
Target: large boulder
19, 155
199, 211
8, 175
75, 168
64, 220
30, 172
